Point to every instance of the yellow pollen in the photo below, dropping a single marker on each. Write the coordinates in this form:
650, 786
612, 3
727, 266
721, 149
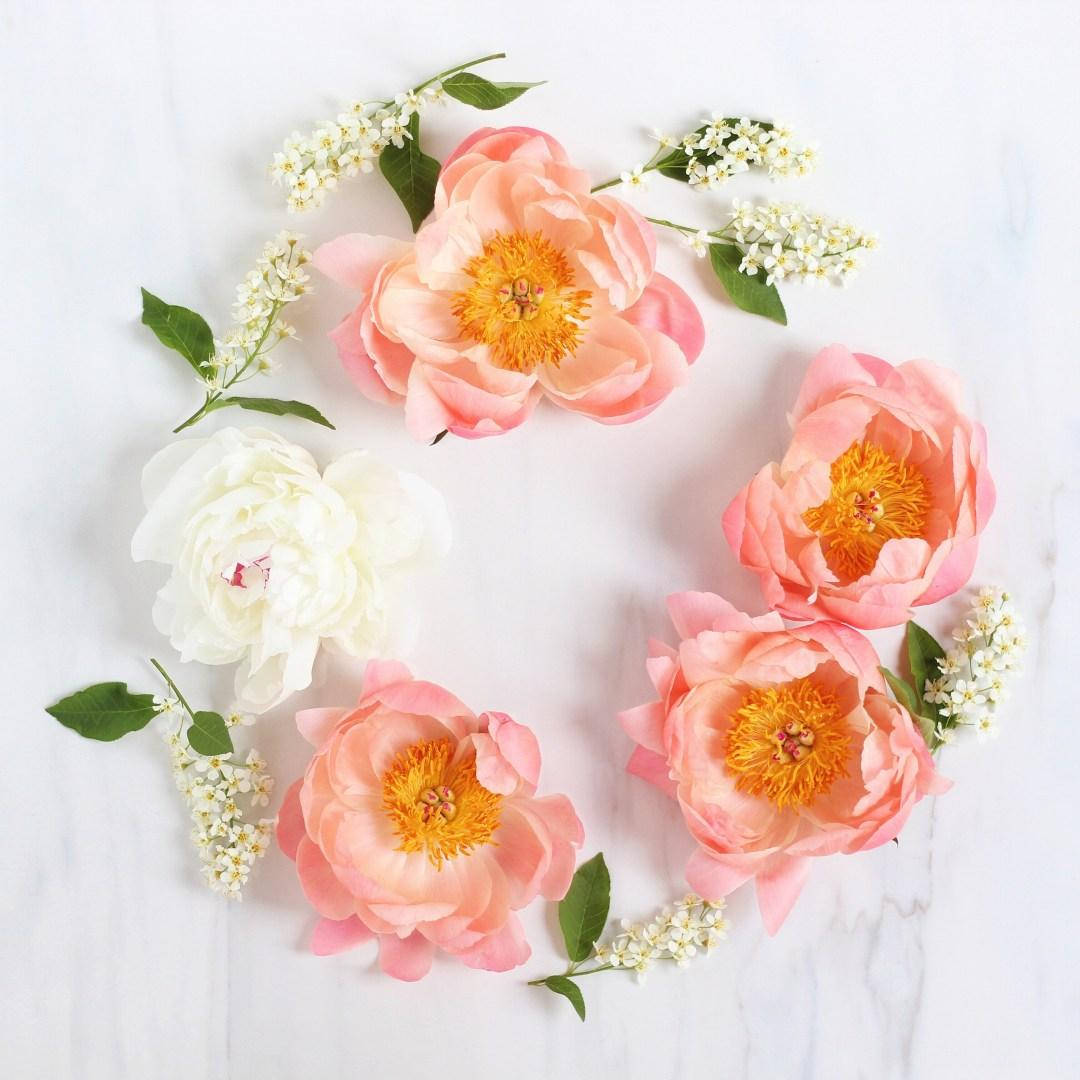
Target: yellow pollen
788, 743
522, 303
438, 807
874, 498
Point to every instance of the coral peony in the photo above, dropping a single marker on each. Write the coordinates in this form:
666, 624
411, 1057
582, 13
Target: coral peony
778, 745
417, 823
879, 501
520, 284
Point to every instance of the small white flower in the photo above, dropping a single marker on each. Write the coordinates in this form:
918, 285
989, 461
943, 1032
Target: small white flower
698, 242
636, 178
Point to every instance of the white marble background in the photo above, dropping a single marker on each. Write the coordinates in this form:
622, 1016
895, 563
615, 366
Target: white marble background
135, 136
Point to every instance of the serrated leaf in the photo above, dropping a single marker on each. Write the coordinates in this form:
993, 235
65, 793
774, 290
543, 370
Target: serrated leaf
275, 406
181, 329
481, 93
209, 734
569, 989
749, 293
412, 174
923, 652
104, 711
584, 910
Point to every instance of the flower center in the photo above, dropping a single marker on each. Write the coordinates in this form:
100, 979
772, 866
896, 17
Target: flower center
874, 498
788, 743
436, 806
522, 303
245, 575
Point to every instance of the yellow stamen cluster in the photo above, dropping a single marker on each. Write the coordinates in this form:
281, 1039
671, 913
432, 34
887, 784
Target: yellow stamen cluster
874, 498
522, 303
438, 807
788, 743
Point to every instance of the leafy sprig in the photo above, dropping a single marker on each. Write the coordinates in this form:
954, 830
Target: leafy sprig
244, 352
676, 933
387, 131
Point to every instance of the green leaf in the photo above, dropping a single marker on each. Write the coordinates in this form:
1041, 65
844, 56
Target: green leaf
749, 293
584, 910
412, 174
181, 329
569, 989
482, 93
209, 734
923, 653
903, 693
274, 406
104, 711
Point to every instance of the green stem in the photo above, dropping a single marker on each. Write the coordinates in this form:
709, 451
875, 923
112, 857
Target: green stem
649, 166
459, 67
198, 414
571, 973
173, 687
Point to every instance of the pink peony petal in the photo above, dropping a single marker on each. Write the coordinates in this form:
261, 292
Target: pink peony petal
327, 895
290, 821
382, 673
316, 725
664, 307
653, 768
332, 936
500, 951
778, 889
408, 959
353, 260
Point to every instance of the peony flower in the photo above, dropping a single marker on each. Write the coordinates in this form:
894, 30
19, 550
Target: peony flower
879, 501
521, 284
779, 745
269, 558
417, 822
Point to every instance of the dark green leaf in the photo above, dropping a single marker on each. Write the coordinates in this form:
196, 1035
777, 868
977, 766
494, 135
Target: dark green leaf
569, 989
273, 406
584, 910
901, 691
749, 293
923, 652
104, 711
439, 438
209, 734
412, 174
181, 329
483, 94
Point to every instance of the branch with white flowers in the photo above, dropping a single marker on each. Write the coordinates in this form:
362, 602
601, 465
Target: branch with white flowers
384, 132
958, 690
678, 933
215, 787
762, 244
277, 280
721, 148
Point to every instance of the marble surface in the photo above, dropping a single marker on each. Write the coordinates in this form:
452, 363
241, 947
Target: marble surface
136, 136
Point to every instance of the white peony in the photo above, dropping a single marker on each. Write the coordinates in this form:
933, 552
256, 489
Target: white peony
270, 558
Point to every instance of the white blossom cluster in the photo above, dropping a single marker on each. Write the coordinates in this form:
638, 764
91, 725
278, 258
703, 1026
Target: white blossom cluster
310, 166
786, 241
678, 933
975, 673
278, 279
214, 789
725, 146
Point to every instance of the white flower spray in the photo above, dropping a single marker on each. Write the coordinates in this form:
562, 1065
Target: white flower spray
976, 672
221, 795
277, 280
784, 241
